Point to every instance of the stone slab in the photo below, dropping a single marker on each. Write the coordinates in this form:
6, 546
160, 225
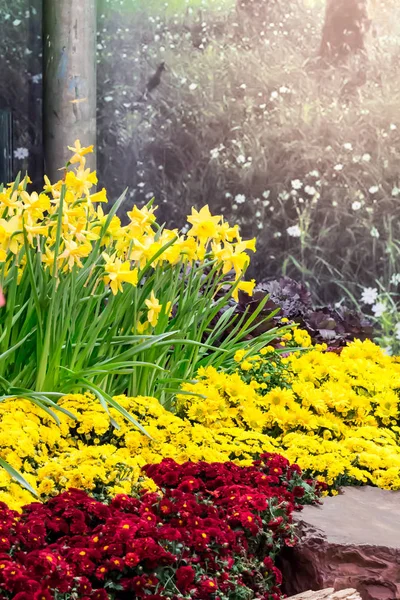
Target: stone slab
351, 541
361, 515
328, 594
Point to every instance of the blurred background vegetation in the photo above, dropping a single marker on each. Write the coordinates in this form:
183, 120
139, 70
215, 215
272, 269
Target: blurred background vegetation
243, 119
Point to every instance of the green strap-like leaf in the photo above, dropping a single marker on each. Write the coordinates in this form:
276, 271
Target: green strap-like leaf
18, 477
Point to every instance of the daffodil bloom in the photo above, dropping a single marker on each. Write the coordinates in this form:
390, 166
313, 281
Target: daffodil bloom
80, 233
232, 257
141, 327
243, 245
81, 182
9, 238
48, 258
114, 229
73, 252
228, 233
143, 217
168, 308
99, 196
118, 272
35, 204
10, 200
35, 230
79, 152
244, 286
204, 225
145, 250
53, 189
154, 307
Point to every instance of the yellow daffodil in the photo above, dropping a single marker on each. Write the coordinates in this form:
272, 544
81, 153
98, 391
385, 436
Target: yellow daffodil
154, 309
79, 152
73, 252
204, 225
118, 272
100, 196
244, 286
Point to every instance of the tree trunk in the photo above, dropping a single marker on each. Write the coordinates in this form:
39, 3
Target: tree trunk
346, 23
69, 79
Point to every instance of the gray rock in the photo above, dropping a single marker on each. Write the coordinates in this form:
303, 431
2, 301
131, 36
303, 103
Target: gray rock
351, 541
328, 594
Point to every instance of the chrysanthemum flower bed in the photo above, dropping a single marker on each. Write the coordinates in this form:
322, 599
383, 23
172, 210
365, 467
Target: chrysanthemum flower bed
337, 417
211, 531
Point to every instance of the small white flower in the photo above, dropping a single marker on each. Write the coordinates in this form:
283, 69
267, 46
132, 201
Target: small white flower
260, 225
277, 234
366, 157
228, 195
17, 22
395, 191
266, 194
243, 86
393, 127
369, 295
214, 153
266, 203
21, 153
397, 331
310, 190
356, 205
284, 90
395, 279
192, 87
348, 146
338, 167
258, 213
297, 184
241, 159
141, 184
374, 189
240, 199
36, 78
294, 231
374, 232
379, 309
388, 350
108, 98
274, 95
314, 173
334, 203
284, 196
